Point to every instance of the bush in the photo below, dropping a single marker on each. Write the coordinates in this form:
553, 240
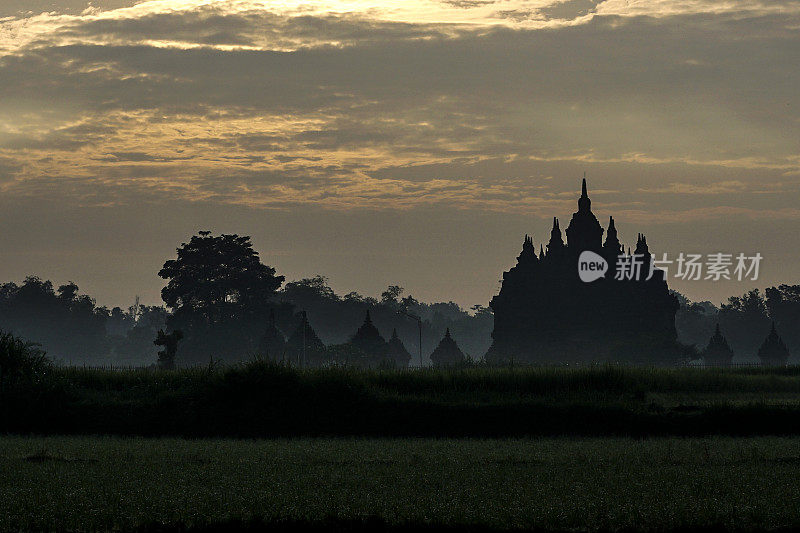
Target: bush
20, 361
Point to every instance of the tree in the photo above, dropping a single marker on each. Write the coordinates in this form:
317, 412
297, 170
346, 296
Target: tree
166, 357
783, 303
694, 321
409, 302
219, 293
20, 360
133, 345
744, 318
68, 325
307, 290
391, 294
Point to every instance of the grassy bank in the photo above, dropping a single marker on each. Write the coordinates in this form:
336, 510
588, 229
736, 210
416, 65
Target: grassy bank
84, 483
262, 400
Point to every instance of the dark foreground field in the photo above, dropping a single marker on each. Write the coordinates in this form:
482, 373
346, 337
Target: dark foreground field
259, 400
84, 483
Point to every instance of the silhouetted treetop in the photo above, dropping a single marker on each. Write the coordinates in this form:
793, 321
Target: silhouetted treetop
308, 289
391, 294
216, 272
220, 295
67, 324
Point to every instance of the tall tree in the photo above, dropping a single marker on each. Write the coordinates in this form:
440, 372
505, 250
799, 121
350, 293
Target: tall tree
783, 303
220, 294
744, 320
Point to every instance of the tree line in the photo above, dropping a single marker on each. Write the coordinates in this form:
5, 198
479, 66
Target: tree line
744, 320
220, 296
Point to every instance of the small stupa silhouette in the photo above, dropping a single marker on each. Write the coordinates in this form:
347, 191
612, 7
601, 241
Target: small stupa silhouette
448, 352
773, 351
303, 346
369, 340
718, 352
272, 343
397, 351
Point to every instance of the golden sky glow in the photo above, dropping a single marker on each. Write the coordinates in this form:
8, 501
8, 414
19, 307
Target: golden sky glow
681, 112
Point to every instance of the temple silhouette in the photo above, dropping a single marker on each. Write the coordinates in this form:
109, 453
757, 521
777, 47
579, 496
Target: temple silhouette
718, 352
773, 351
544, 313
447, 352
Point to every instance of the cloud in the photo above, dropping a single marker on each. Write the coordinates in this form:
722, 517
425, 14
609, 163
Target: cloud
353, 106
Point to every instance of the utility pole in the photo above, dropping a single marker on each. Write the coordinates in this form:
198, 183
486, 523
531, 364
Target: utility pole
419, 324
304, 339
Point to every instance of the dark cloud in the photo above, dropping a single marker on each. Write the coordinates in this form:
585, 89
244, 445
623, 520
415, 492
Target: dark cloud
139, 157
692, 116
570, 9
468, 4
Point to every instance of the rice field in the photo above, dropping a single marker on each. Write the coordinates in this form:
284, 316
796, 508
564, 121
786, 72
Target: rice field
102, 483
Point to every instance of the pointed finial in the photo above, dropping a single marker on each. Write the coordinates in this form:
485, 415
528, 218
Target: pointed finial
367, 319
717, 332
394, 333
447, 333
773, 328
584, 203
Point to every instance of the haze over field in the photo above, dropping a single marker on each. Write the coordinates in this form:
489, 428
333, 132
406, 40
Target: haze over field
405, 142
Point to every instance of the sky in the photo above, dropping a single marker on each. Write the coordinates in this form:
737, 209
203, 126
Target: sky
376, 143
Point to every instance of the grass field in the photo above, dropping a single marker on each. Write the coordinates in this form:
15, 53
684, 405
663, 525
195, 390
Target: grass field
258, 400
99, 483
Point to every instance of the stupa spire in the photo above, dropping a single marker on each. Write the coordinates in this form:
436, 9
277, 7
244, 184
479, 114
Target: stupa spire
612, 247
556, 242
528, 253
584, 203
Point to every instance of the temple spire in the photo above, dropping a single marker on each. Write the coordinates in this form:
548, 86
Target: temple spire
584, 203
528, 253
556, 242
612, 247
